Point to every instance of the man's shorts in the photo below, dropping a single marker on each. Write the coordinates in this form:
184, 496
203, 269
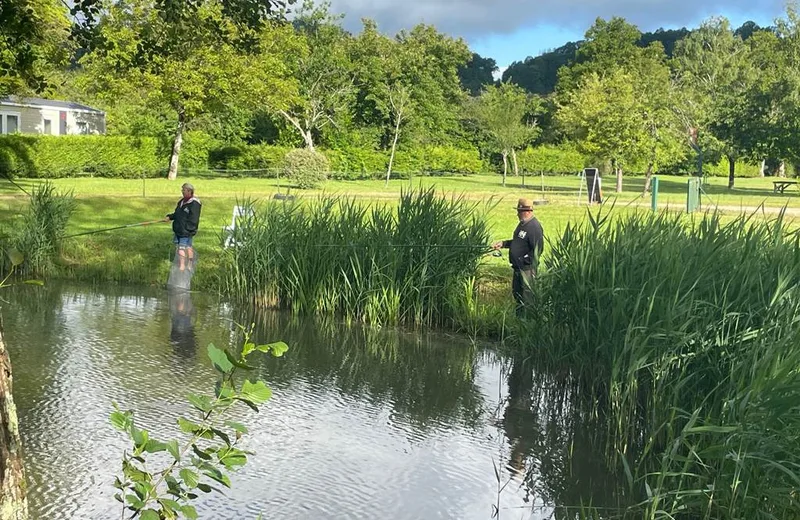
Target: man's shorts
182, 241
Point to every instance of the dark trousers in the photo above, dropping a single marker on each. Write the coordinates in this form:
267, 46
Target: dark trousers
522, 287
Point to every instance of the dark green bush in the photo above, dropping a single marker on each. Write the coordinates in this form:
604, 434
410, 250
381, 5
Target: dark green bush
307, 168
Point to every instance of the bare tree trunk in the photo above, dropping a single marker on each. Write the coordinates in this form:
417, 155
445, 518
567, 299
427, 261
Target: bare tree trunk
648, 178
618, 172
305, 133
176, 147
13, 502
308, 138
763, 169
731, 171
782, 169
514, 160
505, 167
394, 147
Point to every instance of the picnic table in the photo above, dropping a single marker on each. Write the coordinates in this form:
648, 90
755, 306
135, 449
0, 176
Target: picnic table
780, 186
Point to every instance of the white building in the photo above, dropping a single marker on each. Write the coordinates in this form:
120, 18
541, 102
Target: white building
49, 117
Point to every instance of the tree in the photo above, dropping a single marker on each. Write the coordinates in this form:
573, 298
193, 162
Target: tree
323, 72
477, 74
197, 69
400, 106
13, 496
33, 39
604, 114
641, 101
501, 111
712, 71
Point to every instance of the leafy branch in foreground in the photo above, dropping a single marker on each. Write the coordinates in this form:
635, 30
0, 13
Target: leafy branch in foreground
201, 463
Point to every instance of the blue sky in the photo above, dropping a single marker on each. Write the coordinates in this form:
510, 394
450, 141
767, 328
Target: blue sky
511, 30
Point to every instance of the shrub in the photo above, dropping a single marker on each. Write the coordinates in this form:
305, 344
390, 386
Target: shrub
307, 168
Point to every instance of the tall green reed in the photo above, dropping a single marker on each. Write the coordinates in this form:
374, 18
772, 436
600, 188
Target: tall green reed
685, 339
38, 237
371, 263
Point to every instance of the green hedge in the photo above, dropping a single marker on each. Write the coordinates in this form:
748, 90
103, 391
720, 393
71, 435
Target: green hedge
743, 169
129, 157
66, 156
551, 160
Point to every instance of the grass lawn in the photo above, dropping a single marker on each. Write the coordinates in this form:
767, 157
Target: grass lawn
141, 255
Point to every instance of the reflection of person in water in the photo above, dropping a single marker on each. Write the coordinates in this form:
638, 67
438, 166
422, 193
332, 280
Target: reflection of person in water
519, 417
182, 336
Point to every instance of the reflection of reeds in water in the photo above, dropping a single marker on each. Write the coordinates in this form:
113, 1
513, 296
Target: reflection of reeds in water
426, 380
685, 339
363, 262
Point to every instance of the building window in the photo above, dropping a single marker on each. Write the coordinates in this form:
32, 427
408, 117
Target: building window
9, 122
83, 128
47, 127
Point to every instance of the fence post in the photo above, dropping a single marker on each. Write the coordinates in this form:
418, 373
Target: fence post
693, 195
654, 194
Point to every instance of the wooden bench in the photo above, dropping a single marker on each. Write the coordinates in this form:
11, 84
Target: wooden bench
780, 186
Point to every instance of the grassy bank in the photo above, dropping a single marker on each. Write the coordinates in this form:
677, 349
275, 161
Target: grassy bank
141, 255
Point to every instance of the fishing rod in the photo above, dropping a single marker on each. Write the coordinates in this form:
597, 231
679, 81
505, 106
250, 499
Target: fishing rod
9, 179
138, 224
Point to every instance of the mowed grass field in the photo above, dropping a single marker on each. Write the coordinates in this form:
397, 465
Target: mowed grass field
141, 255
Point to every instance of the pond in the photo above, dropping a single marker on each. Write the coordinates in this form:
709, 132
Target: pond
363, 423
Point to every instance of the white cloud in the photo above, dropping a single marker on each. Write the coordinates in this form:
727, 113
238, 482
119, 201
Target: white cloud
476, 18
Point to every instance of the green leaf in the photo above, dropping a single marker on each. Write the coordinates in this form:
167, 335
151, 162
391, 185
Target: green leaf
190, 478
154, 446
34, 282
149, 514
222, 435
189, 512
217, 475
15, 257
223, 390
187, 426
139, 437
219, 359
232, 458
235, 362
201, 402
256, 393
174, 450
277, 349
248, 403
200, 453
120, 420
248, 348
169, 505
134, 501
240, 428
205, 488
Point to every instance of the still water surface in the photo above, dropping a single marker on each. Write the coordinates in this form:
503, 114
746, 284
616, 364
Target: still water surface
363, 423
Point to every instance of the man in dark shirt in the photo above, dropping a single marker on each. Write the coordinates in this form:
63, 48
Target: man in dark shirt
524, 251
185, 221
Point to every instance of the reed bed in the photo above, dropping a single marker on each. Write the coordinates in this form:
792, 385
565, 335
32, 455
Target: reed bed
413, 264
686, 340
38, 234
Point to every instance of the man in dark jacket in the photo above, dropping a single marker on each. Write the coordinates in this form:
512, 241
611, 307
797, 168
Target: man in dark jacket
185, 221
524, 251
